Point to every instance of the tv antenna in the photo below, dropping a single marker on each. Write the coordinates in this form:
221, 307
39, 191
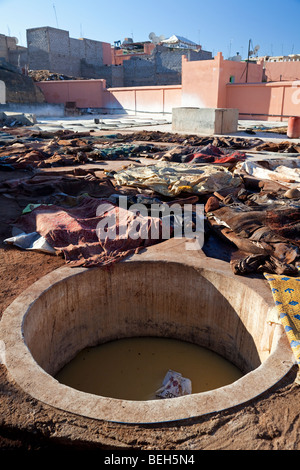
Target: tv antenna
251, 52
55, 15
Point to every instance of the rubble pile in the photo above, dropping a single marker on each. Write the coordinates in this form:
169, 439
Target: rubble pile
9, 119
46, 75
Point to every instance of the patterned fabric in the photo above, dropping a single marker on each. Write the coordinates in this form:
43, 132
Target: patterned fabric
286, 294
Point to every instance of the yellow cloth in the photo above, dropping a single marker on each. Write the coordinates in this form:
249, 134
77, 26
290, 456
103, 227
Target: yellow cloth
171, 179
286, 294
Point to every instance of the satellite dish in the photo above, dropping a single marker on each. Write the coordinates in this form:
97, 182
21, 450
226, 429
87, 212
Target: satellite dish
255, 51
156, 39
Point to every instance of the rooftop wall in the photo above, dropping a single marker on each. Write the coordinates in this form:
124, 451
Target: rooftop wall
204, 82
93, 94
152, 99
265, 101
85, 93
282, 71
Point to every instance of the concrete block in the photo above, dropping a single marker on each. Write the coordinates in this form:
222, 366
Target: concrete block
205, 120
38, 109
21, 118
2, 92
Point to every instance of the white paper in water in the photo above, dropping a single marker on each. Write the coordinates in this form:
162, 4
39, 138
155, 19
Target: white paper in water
174, 385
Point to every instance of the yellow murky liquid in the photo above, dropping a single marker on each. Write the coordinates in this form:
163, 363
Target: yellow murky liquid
134, 368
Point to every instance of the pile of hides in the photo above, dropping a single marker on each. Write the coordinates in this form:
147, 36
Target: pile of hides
64, 148
50, 201
233, 143
57, 188
268, 235
237, 143
171, 179
251, 204
74, 232
206, 154
284, 171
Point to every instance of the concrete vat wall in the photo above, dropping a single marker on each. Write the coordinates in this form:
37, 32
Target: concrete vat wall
196, 299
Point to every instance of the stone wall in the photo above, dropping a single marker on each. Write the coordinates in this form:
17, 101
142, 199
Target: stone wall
112, 74
20, 88
12, 53
162, 67
38, 49
52, 49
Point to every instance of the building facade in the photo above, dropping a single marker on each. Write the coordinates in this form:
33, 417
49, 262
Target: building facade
12, 53
52, 49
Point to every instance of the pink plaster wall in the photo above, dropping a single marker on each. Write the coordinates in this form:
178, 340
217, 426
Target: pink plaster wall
86, 93
200, 83
93, 94
282, 71
118, 56
106, 51
273, 99
155, 99
204, 82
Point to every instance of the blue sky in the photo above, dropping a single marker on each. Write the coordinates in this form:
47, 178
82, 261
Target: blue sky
219, 25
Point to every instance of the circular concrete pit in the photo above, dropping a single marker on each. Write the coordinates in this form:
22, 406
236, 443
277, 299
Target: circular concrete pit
182, 296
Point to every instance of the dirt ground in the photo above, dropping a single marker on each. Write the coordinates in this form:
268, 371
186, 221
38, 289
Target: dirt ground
271, 422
